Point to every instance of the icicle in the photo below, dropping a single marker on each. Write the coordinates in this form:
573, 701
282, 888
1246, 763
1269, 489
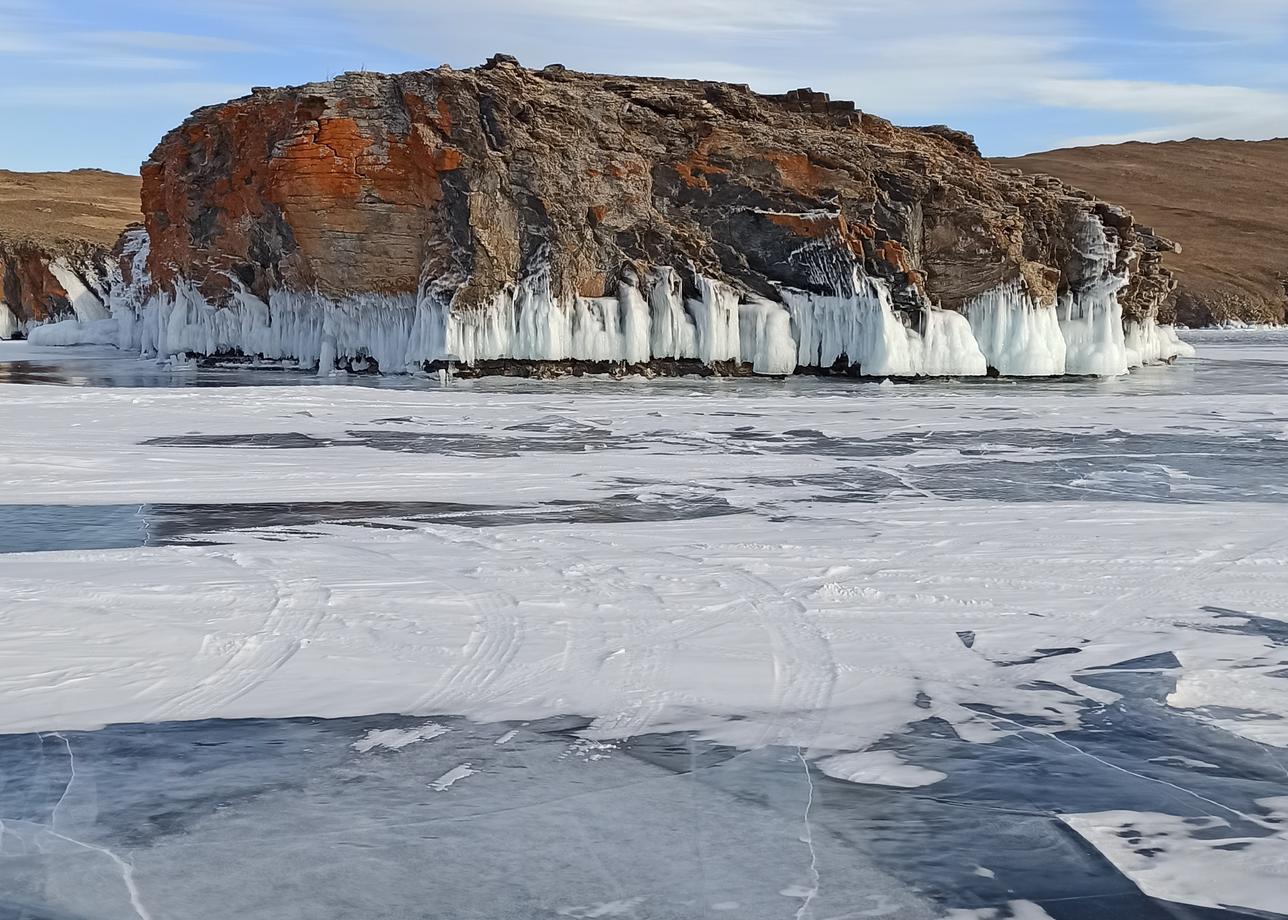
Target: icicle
766, 342
674, 334
1150, 343
865, 330
715, 317
1018, 336
636, 324
1003, 328
8, 322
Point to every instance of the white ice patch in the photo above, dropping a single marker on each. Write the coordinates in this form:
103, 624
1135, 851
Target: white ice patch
395, 739
1248, 702
75, 332
8, 322
452, 777
87, 304
783, 623
879, 768
1190, 860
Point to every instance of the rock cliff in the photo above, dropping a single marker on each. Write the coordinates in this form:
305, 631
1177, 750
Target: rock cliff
57, 232
503, 217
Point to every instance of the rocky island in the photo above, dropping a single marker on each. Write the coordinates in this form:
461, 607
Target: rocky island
513, 220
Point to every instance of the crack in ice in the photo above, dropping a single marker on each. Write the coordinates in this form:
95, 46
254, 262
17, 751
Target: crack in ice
127, 869
71, 764
808, 839
1150, 779
146, 524
1025, 731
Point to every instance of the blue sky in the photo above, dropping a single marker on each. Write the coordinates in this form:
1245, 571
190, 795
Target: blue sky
95, 83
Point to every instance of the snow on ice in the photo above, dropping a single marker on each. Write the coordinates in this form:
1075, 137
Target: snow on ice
820, 566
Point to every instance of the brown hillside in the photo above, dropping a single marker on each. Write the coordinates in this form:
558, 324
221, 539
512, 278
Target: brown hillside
74, 218
86, 204
1225, 202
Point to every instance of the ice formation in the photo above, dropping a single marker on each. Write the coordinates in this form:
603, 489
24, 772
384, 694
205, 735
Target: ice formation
76, 332
8, 322
1017, 335
864, 328
857, 324
87, 304
879, 768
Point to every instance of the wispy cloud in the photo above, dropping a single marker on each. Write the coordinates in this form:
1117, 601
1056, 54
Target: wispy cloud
704, 16
134, 62
166, 41
190, 94
1258, 20
1175, 111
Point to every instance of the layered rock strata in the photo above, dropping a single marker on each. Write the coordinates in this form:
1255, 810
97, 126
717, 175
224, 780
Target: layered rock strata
502, 216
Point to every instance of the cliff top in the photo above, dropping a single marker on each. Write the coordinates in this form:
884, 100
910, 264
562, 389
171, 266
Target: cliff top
1225, 202
86, 204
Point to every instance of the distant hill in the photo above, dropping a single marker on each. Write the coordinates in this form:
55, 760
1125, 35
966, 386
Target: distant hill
1225, 202
57, 231
87, 204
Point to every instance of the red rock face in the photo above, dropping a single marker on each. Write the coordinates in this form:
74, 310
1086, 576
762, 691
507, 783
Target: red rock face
297, 192
467, 181
28, 287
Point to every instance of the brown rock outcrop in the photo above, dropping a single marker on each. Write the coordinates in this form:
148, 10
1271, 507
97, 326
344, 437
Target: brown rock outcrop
468, 181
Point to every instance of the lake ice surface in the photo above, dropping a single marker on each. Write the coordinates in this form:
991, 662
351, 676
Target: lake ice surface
813, 648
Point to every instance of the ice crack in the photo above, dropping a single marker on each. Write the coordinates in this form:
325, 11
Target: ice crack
812, 892
127, 870
71, 764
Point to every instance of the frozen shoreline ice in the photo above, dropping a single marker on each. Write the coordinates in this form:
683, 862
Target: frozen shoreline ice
964, 553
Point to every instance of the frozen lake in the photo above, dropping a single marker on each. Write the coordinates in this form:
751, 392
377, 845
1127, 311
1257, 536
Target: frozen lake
813, 648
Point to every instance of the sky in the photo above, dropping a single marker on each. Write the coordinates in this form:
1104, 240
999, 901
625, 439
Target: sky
91, 83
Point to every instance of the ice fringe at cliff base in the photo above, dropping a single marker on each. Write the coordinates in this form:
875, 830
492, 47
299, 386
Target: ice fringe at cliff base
1005, 329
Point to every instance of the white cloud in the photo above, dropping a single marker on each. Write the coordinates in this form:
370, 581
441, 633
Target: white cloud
142, 62
15, 39
120, 95
1260, 20
165, 41
690, 15
1184, 110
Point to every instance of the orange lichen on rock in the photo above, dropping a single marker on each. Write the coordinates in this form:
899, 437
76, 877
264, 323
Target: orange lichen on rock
694, 169
808, 226
893, 253
795, 170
